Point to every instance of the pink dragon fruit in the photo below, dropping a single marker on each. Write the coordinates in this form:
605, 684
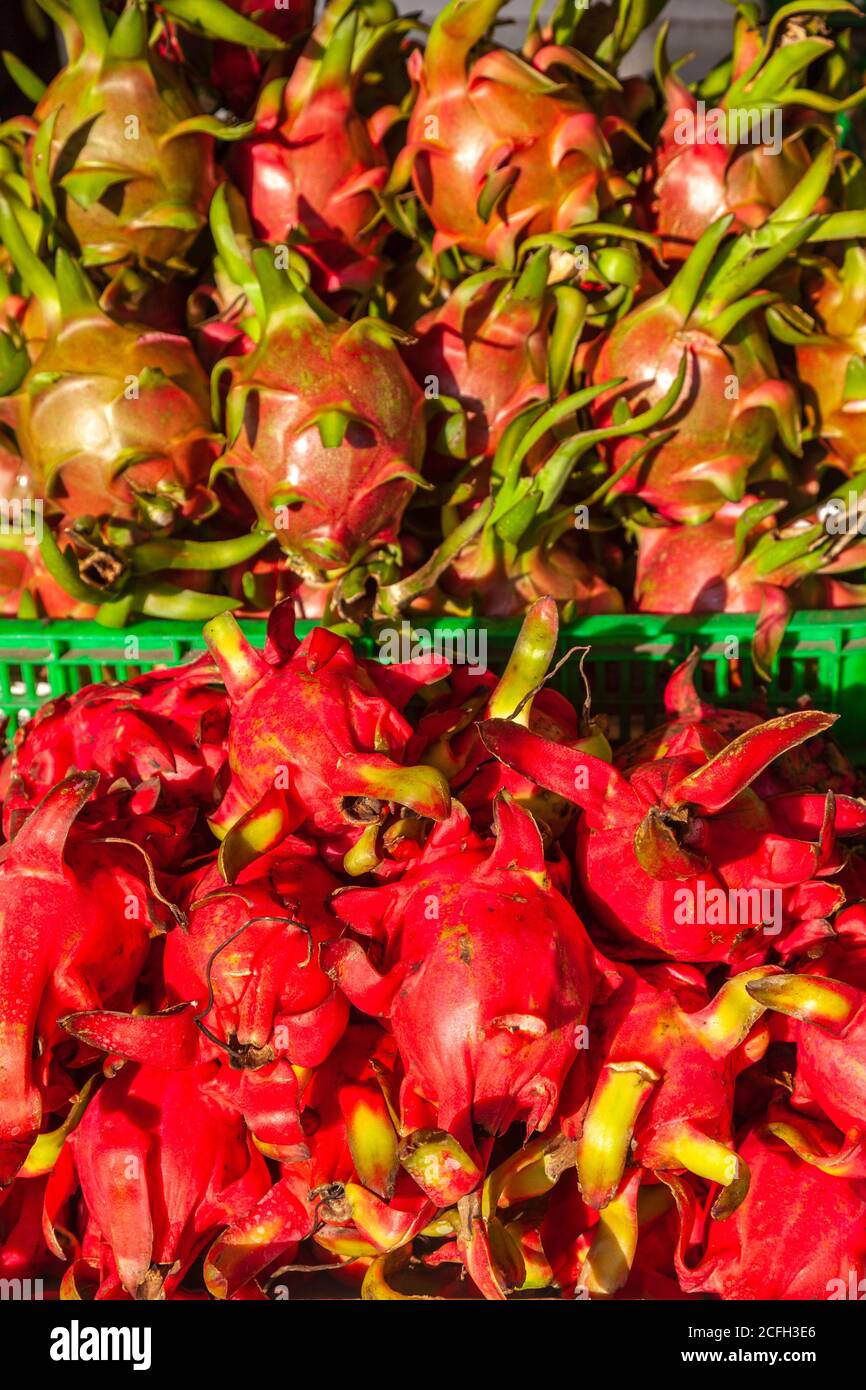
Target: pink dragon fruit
662, 840
708, 163
315, 167
501, 148
324, 426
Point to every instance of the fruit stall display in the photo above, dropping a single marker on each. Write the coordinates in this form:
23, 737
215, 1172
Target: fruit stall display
541, 975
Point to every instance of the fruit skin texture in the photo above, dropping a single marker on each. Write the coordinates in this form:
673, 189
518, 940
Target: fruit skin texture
484, 1037
86, 952
315, 163
494, 126
317, 723
798, 1232
132, 187
650, 842
325, 433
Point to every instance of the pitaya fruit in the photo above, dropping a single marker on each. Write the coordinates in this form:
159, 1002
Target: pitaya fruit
122, 155
162, 727
325, 428
314, 168
830, 1034
502, 148
249, 960
86, 953
734, 401
236, 67
315, 738
664, 1096
162, 1168
674, 840
703, 171
447, 735
791, 1206
112, 420
818, 765
830, 348
483, 1039
499, 343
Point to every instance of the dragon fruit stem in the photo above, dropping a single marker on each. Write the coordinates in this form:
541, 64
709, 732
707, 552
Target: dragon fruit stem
528, 663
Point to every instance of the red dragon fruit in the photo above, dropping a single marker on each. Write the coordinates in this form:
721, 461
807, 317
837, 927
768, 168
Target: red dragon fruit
87, 953
162, 1168
501, 148
707, 161
324, 426
482, 1039
819, 765
315, 725
660, 842
665, 1093
799, 1234
250, 960
830, 1034
162, 727
315, 167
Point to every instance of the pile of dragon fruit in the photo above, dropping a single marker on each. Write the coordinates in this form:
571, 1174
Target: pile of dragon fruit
324, 977
387, 317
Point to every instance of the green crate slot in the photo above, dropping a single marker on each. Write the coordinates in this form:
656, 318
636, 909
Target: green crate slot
823, 658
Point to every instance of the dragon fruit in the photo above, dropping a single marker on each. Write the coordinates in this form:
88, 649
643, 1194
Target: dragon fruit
166, 727
734, 402
482, 1041
499, 343
707, 163
252, 955
112, 420
665, 836
315, 167
819, 765
325, 428
315, 736
121, 154
236, 67
162, 1168
501, 148
447, 734
829, 344
830, 1034
792, 1206
51, 965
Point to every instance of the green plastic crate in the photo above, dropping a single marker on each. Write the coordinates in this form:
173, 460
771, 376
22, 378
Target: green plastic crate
823, 657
